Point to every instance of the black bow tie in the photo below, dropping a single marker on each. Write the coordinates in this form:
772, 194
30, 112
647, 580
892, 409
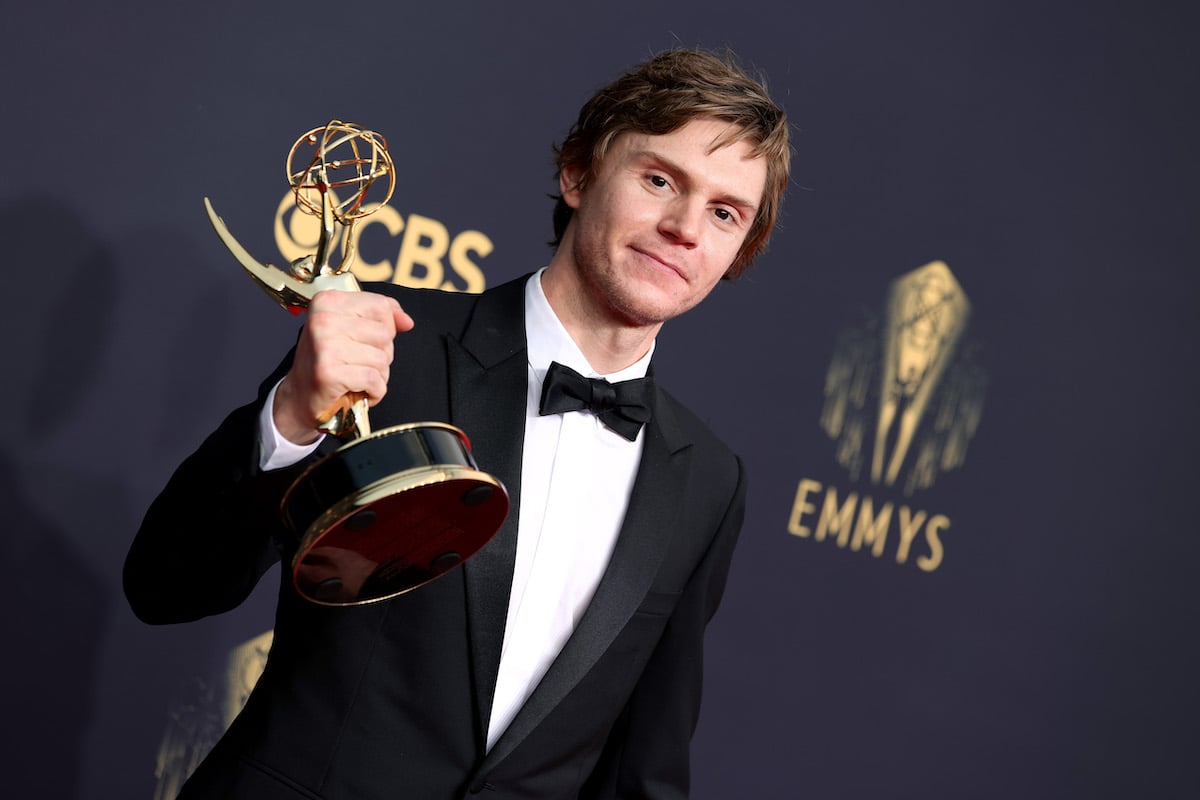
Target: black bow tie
621, 406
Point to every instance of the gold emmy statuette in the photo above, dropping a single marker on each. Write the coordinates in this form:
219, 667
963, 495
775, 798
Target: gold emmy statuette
387, 511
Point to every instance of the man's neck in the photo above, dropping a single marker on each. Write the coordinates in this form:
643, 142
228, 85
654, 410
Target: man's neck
607, 342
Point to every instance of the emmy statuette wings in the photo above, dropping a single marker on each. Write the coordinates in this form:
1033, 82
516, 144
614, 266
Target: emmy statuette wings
392, 510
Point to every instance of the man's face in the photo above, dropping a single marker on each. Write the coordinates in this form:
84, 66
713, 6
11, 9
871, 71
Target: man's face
662, 220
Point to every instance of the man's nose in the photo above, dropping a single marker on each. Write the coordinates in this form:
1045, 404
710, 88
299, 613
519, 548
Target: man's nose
681, 221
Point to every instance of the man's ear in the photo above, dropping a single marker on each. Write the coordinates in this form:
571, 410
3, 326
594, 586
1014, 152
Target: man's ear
570, 184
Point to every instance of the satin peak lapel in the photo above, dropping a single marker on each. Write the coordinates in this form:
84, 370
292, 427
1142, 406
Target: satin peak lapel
488, 383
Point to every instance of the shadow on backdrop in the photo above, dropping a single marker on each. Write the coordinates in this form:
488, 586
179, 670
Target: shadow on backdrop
55, 327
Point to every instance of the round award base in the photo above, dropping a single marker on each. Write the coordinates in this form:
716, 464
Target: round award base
390, 512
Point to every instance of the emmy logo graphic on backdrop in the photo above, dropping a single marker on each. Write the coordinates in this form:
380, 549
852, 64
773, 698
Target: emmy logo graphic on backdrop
916, 378
903, 399
387, 511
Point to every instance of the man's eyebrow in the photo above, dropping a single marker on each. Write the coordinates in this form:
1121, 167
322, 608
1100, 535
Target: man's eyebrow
749, 206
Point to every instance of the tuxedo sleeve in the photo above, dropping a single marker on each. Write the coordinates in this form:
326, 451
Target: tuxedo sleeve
214, 529
647, 753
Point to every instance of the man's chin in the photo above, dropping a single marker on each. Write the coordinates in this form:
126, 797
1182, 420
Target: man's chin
651, 306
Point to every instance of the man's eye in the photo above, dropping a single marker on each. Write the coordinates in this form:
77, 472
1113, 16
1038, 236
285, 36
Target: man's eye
723, 214
658, 180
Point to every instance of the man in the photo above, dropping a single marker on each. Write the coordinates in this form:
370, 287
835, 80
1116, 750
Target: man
564, 659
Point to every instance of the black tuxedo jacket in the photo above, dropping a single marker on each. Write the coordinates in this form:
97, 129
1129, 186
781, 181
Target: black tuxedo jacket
391, 700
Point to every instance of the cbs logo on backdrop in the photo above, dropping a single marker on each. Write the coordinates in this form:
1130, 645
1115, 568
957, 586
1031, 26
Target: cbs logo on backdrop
427, 255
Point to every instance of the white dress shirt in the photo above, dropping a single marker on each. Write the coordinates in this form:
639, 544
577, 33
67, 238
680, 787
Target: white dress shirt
576, 479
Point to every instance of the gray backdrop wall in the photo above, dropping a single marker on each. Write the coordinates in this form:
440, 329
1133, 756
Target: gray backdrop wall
1025, 626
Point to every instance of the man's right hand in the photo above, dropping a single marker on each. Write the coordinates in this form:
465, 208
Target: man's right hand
346, 346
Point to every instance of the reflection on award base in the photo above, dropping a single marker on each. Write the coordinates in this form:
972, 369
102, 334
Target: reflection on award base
390, 512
